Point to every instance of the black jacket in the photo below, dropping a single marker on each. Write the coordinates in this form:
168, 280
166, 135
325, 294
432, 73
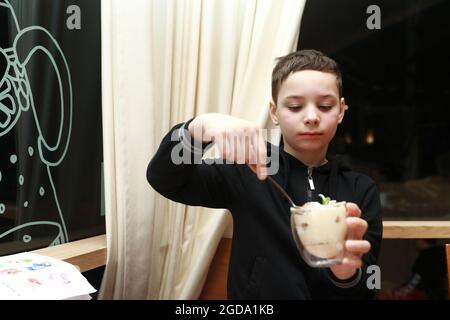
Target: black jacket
264, 262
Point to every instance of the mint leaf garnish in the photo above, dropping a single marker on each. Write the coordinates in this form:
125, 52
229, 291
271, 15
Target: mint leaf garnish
325, 200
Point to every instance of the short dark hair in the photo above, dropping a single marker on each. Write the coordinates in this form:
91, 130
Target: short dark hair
303, 60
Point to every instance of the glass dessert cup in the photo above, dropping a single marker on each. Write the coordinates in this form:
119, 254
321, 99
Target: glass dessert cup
319, 232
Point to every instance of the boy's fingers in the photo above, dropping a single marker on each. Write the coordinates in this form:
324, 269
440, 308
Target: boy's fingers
252, 167
235, 146
261, 156
227, 148
255, 170
353, 210
248, 149
220, 141
352, 261
231, 147
240, 147
356, 228
357, 247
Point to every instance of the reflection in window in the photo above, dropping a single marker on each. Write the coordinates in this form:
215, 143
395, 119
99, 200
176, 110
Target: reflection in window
396, 84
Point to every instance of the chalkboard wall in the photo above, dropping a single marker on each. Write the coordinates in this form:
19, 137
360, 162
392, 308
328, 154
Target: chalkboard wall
50, 123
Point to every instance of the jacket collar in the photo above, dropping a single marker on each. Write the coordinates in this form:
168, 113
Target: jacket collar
288, 162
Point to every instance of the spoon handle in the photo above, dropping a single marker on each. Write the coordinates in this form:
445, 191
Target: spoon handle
282, 191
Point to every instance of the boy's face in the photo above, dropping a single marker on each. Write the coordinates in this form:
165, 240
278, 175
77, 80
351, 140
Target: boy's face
308, 111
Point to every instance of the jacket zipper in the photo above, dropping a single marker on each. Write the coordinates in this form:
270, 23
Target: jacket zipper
310, 184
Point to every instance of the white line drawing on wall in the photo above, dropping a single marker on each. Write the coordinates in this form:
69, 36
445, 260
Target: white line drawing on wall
16, 100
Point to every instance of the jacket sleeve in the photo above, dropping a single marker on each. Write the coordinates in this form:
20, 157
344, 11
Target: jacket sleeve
360, 286
178, 173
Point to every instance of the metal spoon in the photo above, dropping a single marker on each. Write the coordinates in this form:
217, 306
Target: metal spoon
293, 206
282, 191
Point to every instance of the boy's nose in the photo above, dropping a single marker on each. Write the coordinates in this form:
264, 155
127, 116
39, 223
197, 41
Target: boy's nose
311, 116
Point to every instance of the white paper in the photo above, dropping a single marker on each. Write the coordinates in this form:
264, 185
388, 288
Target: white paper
32, 276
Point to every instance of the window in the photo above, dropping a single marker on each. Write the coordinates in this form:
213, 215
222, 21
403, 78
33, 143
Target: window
395, 82
50, 123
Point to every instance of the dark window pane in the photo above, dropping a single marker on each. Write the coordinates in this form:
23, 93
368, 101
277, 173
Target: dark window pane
396, 83
50, 124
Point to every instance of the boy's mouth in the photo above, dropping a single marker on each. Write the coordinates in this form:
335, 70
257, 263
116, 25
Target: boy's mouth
310, 134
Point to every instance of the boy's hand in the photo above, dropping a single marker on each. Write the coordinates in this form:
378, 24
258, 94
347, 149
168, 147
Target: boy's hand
238, 140
355, 247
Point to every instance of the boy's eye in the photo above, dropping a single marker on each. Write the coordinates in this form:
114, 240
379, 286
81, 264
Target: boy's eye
325, 108
294, 107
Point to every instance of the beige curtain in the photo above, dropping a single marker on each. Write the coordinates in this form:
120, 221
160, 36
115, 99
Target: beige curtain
163, 63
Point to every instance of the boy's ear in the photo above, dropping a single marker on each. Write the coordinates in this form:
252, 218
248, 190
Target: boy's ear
342, 108
273, 112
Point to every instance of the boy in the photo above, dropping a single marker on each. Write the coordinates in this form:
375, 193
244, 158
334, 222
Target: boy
307, 104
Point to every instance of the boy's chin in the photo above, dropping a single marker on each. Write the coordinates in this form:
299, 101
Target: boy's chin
305, 148
309, 146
